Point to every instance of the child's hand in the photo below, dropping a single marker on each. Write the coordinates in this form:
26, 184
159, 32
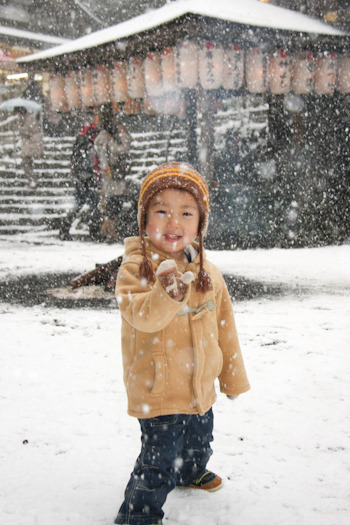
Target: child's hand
231, 398
172, 281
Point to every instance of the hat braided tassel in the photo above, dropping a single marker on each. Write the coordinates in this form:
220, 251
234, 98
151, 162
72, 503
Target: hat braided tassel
203, 282
146, 268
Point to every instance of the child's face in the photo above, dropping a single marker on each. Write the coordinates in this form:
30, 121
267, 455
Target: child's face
172, 221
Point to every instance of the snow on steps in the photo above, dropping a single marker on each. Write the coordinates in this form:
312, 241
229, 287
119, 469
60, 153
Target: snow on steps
154, 141
23, 209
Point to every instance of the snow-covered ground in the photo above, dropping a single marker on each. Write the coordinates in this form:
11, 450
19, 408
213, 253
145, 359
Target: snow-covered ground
67, 445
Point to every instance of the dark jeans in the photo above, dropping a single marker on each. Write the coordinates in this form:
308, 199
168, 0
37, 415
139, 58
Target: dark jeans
28, 168
175, 451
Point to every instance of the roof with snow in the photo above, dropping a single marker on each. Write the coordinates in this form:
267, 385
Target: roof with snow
28, 35
247, 12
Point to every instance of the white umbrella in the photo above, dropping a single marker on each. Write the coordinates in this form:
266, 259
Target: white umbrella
12, 103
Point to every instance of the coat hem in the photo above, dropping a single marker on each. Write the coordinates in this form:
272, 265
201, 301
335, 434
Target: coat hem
168, 412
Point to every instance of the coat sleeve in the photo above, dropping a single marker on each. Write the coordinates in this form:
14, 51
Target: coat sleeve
233, 378
146, 308
116, 147
101, 148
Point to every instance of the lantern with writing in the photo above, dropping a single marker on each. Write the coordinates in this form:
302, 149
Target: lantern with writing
280, 73
167, 65
57, 93
233, 71
344, 73
135, 78
119, 83
153, 75
211, 65
256, 70
102, 85
325, 73
72, 90
303, 75
186, 64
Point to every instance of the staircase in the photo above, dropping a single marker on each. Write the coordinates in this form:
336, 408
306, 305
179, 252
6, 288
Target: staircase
154, 140
41, 209
151, 148
23, 209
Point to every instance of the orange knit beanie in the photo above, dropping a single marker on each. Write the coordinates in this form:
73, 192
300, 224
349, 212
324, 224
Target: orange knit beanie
182, 176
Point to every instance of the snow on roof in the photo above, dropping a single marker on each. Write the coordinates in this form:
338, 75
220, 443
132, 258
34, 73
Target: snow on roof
247, 12
28, 35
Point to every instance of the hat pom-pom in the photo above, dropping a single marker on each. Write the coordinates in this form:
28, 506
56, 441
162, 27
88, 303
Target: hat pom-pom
146, 271
203, 283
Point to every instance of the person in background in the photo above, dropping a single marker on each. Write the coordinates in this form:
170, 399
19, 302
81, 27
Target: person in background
32, 143
112, 146
178, 337
85, 172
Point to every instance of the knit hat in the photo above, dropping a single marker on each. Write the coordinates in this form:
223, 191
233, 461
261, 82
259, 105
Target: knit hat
182, 176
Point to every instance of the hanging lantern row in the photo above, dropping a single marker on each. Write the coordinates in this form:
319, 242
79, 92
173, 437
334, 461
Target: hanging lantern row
181, 67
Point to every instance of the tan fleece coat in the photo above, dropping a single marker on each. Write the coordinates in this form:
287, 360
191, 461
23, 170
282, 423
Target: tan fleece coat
173, 351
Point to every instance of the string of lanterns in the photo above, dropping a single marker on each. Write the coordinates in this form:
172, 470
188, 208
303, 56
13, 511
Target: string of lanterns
160, 77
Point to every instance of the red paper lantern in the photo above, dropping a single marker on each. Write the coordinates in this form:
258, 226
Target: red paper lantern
167, 66
344, 73
102, 85
256, 70
153, 76
303, 75
72, 90
135, 78
325, 73
57, 93
119, 83
280, 73
233, 71
211, 65
186, 64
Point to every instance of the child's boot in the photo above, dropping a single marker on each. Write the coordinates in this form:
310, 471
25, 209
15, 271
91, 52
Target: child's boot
208, 481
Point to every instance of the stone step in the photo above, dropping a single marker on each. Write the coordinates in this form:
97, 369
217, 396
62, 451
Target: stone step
12, 229
43, 180
48, 194
26, 218
49, 164
11, 199
33, 207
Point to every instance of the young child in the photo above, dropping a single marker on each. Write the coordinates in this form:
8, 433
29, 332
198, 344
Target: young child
178, 336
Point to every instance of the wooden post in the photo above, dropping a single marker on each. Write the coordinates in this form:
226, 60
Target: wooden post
206, 147
279, 135
191, 119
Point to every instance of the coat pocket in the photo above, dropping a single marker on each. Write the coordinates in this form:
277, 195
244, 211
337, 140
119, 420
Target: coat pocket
160, 374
